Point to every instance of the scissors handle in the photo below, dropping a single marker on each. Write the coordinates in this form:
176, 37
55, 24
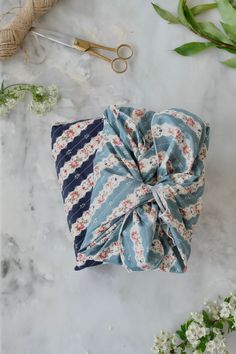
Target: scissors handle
124, 51
119, 64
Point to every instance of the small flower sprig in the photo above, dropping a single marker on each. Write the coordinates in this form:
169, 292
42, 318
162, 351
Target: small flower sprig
203, 332
43, 98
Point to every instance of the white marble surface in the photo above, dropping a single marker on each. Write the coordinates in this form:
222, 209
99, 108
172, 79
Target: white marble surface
48, 307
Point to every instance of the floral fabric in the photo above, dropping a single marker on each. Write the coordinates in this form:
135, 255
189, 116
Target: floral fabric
132, 184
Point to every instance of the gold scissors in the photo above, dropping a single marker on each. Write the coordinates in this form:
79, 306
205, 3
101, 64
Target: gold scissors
119, 64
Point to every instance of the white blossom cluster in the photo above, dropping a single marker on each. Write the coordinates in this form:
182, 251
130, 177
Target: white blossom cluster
43, 99
165, 343
195, 332
203, 332
8, 100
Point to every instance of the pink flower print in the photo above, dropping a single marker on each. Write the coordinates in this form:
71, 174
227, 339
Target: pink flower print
144, 266
127, 204
116, 244
144, 190
74, 195
128, 129
80, 226
181, 229
92, 244
102, 228
190, 122
81, 258
103, 255
141, 165
117, 141
134, 235
74, 164
160, 156
182, 212
137, 113
185, 149
70, 133
171, 131
101, 199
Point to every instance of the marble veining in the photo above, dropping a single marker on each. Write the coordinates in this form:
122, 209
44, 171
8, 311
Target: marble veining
47, 307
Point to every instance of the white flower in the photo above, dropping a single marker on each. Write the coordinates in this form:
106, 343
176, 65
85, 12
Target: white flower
211, 346
197, 332
194, 333
213, 309
44, 100
225, 313
217, 345
9, 98
195, 342
225, 310
163, 343
197, 317
175, 340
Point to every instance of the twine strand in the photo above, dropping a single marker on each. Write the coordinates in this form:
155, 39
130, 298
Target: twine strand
13, 34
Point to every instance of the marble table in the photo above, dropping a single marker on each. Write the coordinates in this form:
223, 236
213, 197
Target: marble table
47, 307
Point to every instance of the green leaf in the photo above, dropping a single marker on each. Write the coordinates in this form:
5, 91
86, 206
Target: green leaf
233, 51
202, 345
230, 62
214, 32
166, 15
230, 30
206, 318
197, 10
181, 14
227, 11
191, 19
182, 345
193, 48
181, 334
219, 324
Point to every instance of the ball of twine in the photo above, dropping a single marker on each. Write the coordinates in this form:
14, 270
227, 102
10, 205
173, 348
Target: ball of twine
13, 34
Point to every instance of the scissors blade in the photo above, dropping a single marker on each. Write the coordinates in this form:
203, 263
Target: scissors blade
60, 38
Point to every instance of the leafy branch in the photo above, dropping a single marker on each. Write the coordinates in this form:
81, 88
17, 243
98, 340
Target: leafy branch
221, 38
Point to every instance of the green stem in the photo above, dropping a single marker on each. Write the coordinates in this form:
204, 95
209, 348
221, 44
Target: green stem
217, 43
27, 86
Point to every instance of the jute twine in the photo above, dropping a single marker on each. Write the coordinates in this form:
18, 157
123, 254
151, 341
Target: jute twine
13, 34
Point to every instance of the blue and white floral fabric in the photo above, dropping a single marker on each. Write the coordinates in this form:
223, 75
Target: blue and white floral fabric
132, 184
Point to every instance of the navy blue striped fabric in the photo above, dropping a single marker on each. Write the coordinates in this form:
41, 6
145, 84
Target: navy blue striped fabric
74, 146
77, 177
68, 151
